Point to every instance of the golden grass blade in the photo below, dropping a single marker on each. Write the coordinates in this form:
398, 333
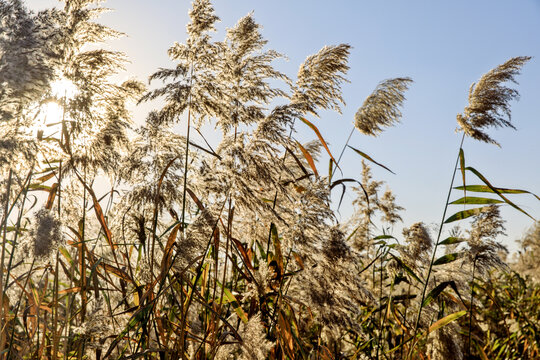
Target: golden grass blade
309, 158
445, 321
321, 139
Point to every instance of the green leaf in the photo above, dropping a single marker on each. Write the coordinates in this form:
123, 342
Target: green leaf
451, 240
448, 258
484, 188
481, 177
465, 214
436, 291
446, 320
66, 254
383, 237
366, 156
235, 304
471, 200
462, 167
407, 269
37, 187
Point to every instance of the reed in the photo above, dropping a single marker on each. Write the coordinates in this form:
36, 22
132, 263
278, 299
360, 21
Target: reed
142, 243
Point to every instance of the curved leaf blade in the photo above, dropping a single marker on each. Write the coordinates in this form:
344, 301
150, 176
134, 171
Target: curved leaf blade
460, 215
446, 320
366, 156
448, 258
481, 177
321, 139
436, 291
472, 200
407, 269
308, 157
451, 240
487, 189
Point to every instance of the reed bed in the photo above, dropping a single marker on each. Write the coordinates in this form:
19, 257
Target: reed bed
125, 242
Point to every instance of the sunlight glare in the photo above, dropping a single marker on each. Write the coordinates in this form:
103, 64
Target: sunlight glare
63, 88
52, 111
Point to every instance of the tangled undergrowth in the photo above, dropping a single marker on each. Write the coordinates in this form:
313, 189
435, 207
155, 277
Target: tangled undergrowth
129, 243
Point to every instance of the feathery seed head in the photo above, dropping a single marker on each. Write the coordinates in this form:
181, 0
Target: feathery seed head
202, 18
336, 247
418, 239
483, 249
488, 224
320, 78
381, 108
389, 208
489, 101
47, 233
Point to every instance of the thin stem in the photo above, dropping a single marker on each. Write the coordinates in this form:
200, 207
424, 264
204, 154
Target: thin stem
184, 193
274, 203
472, 304
4, 242
435, 247
381, 319
342, 152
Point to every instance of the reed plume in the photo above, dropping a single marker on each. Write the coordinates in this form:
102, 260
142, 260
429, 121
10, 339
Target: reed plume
489, 101
381, 108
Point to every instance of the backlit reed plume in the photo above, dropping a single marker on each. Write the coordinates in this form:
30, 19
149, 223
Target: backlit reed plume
320, 78
483, 249
381, 108
489, 101
418, 239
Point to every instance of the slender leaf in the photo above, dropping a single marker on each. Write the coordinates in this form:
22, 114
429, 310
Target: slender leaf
464, 214
277, 246
52, 195
167, 253
448, 258
471, 200
462, 168
314, 128
297, 160
366, 156
436, 291
100, 216
485, 188
407, 269
481, 177
384, 237
446, 320
235, 304
451, 240
308, 157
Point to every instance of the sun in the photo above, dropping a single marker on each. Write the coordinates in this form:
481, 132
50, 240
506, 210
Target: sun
52, 112
63, 88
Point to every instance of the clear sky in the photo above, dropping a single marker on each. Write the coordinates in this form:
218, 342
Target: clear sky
443, 46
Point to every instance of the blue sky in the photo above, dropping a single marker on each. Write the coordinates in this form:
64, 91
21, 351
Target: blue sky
442, 46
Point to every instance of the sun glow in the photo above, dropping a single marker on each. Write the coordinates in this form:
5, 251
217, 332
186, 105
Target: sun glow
52, 111
63, 88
